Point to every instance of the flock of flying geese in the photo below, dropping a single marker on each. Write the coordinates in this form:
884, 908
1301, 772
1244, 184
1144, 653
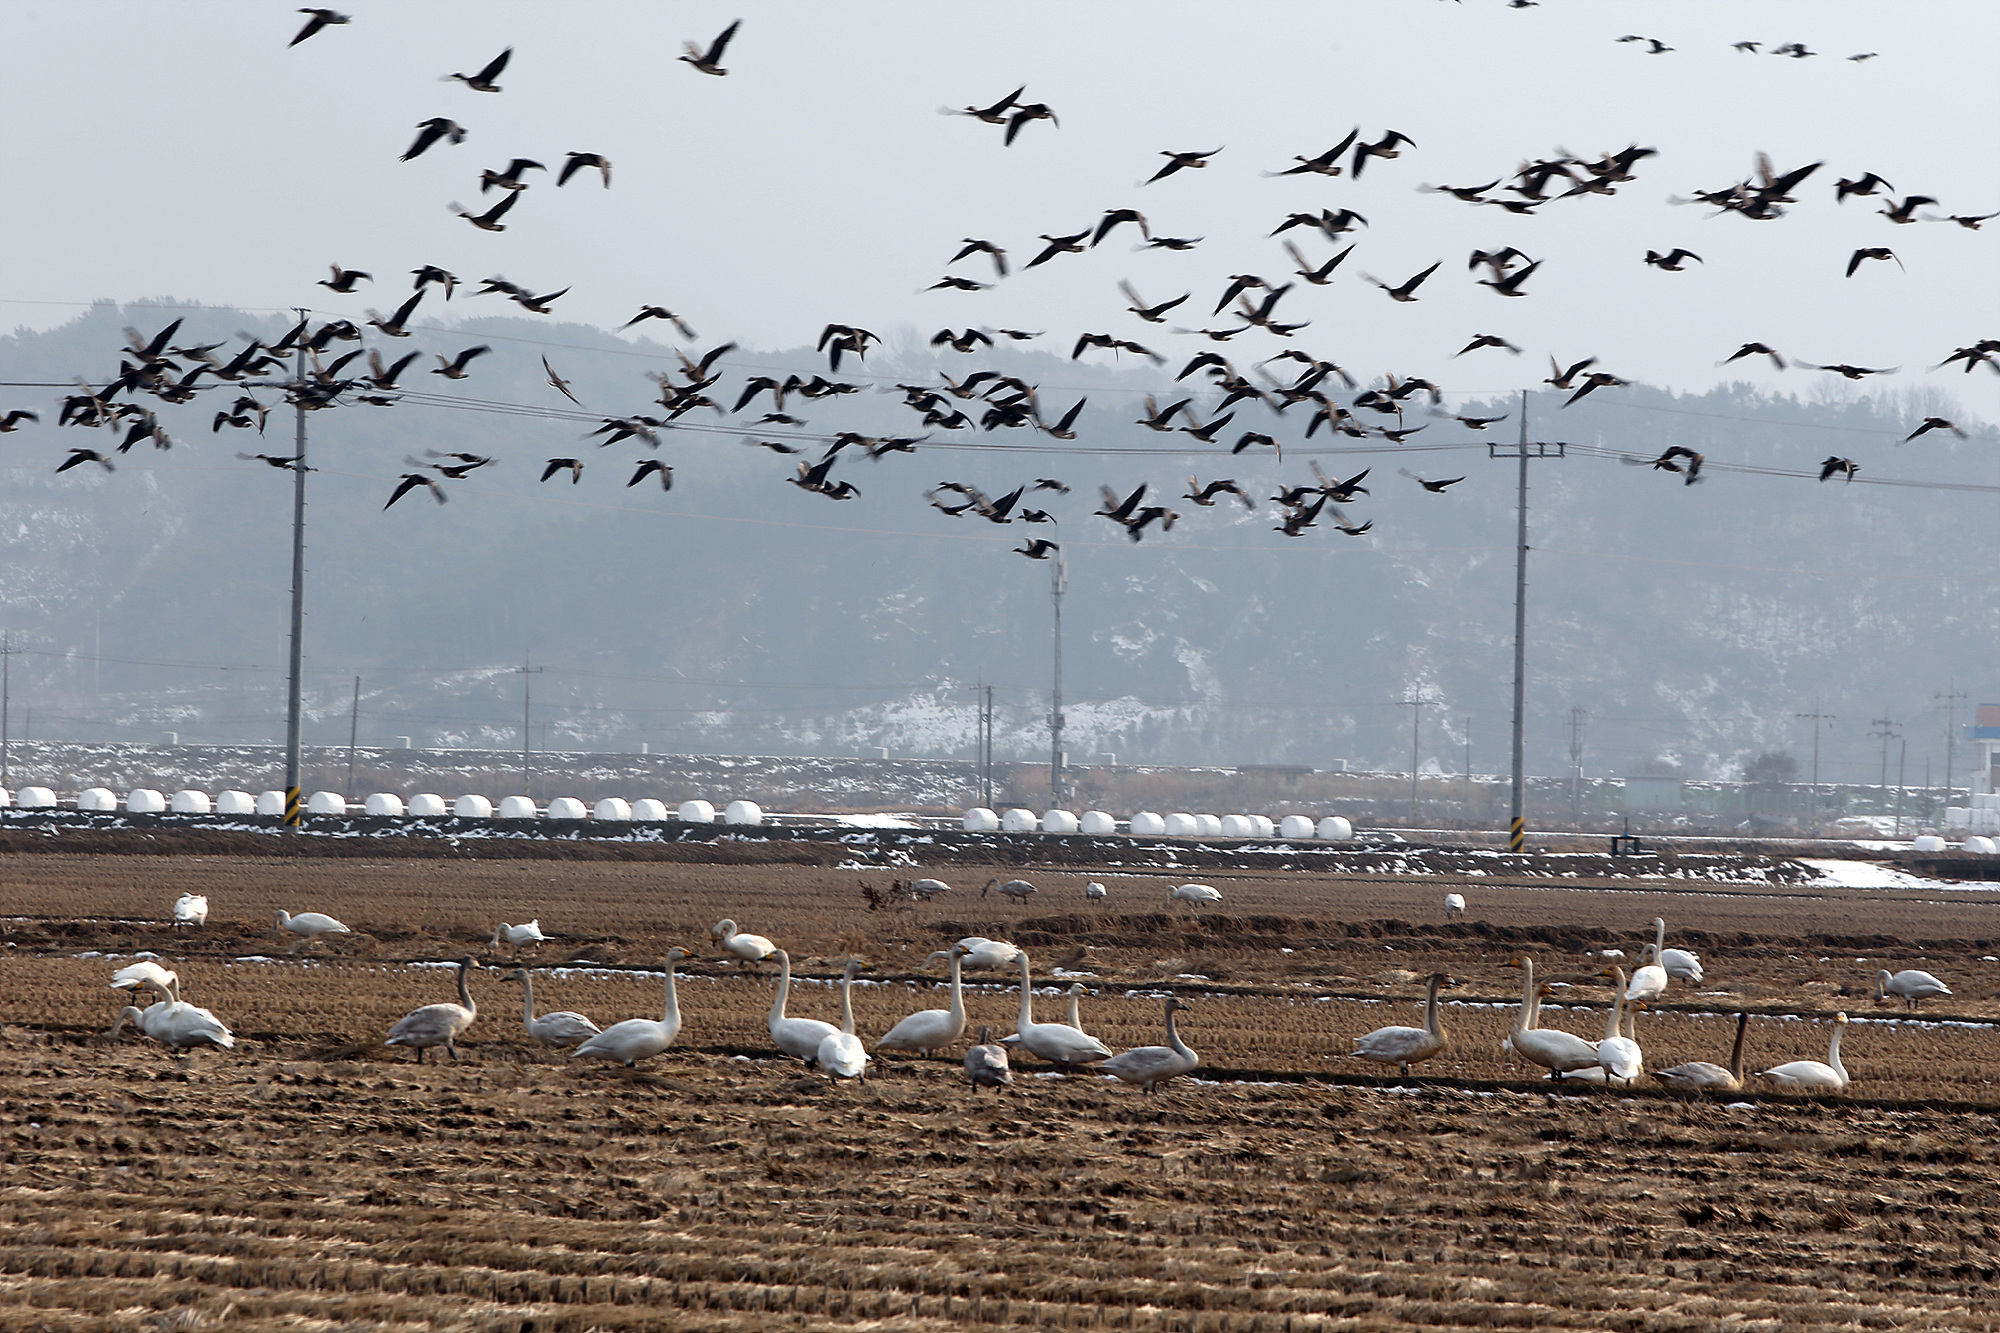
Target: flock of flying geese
985, 400
837, 1051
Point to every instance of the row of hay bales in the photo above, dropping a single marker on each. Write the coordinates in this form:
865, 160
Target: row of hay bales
1147, 824
424, 805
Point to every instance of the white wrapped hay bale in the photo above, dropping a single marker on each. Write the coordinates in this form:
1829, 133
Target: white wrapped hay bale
1181, 824
1096, 823
427, 805
472, 807
1928, 842
326, 803
36, 798
191, 802
1237, 826
612, 810
233, 802
1059, 821
1335, 828
1208, 826
1296, 826
743, 812
97, 798
1979, 845
649, 811
1146, 824
697, 812
1262, 827
1019, 821
6, 798
981, 820
144, 801
567, 807
270, 803
385, 803
518, 807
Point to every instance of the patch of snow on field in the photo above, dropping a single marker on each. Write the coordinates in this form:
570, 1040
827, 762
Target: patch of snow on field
1869, 875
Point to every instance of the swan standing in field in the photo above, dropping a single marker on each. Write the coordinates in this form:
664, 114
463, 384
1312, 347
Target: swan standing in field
437, 1024
531, 933
638, 1039
1059, 1043
796, 1037
1017, 889
842, 1055
1619, 1055
1556, 1051
1195, 895
564, 1027
1911, 986
1407, 1046
1094, 892
191, 909
986, 1065
1454, 906
743, 948
1811, 1075
1704, 1076
147, 976
927, 889
175, 1023
931, 1030
1150, 1066
309, 926
1648, 982
1678, 963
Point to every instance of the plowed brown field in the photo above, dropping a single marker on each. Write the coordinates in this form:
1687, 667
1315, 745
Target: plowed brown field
311, 1178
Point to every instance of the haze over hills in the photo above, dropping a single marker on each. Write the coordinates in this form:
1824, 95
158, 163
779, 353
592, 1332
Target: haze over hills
741, 614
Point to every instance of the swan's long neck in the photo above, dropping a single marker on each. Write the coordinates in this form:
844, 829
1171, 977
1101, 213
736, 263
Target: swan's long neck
528, 999
1881, 984
128, 1012
1027, 995
1180, 1047
1659, 937
1431, 1023
847, 1002
284, 918
1612, 1024
784, 986
671, 1015
465, 989
498, 931
958, 991
1736, 1052
1526, 1018
1075, 1014
1833, 1052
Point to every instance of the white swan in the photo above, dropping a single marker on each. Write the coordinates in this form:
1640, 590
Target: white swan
1094, 892
984, 954
1059, 1043
1195, 895
842, 1055
1454, 906
531, 933
191, 909
1150, 1066
564, 1027
1679, 963
1076, 990
1811, 1075
309, 926
1407, 1046
1619, 1055
1556, 1051
1017, 889
986, 1065
1704, 1076
145, 975
1910, 986
743, 948
1648, 982
638, 1039
438, 1024
175, 1023
797, 1037
931, 1030
927, 889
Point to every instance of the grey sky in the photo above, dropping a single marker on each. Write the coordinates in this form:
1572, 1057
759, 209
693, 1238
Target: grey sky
184, 151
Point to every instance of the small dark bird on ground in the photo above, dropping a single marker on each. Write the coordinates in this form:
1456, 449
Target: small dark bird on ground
410, 482
1407, 291
482, 82
343, 279
558, 383
574, 466
1855, 260
710, 61
1867, 185
1434, 487
454, 369
578, 161
430, 131
12, 420
986, 1064
1931, 424
430, 273
648, 467
1487, 340
78, 457
1905, 211
661, 312
974, 246
510, 178
1180, 162
321, 18
1060, 245
1672, 261
490, 219
1038, 548
992, 115
1847, 467
1754, 349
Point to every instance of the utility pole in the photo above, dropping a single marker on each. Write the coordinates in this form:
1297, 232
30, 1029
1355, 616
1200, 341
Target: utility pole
1951, 696
1902, 757
1468, 772
353, 728
295, 682
1058, 585
1577, 717
1523, 450
1816, 719
528, 673
6, 705
989, 746
1886, 736
1416, 707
